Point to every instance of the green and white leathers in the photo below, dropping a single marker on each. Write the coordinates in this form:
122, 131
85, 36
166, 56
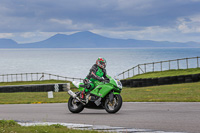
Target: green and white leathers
97, 73
95, 76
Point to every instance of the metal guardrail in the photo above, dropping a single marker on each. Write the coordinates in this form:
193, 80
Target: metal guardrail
34, 77
183, 63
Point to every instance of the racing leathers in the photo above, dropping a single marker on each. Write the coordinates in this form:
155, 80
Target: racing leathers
96, 74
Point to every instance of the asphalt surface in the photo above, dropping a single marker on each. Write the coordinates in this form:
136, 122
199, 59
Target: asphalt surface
170, 117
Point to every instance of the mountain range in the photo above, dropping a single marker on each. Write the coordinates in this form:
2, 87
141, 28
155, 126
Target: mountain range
87, 39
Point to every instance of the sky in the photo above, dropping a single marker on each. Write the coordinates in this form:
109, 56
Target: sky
159, 20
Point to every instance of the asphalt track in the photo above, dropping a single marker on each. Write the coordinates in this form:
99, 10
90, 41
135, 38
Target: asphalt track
170, 117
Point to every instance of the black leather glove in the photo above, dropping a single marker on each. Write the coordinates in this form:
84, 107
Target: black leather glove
85, 81
107, 81
101, 80
88, 86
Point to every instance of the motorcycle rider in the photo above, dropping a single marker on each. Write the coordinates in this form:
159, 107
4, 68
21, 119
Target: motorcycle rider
97, 74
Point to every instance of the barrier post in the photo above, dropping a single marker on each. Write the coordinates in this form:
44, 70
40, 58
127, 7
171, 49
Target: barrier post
153, 66
187, 62
178, 63
128, 73
26, 77
138, 69
43, 76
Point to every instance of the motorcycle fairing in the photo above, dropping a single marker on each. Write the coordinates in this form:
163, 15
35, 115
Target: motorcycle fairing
102, 90
77, 84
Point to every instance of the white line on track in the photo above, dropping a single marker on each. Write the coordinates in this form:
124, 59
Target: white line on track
95, 127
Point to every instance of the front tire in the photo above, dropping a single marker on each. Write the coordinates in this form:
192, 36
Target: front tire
115, 105
74, 105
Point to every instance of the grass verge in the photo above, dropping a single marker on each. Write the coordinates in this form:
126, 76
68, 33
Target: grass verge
36, 82
32, 82
10, 126
32, 98
186, 92
167, 73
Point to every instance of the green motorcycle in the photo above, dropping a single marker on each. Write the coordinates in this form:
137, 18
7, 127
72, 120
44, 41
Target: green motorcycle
106, 95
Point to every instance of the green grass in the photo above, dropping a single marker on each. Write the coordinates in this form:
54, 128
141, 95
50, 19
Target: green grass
32, 98
36, 82
167, 73
10, 126
32, 82
186, 92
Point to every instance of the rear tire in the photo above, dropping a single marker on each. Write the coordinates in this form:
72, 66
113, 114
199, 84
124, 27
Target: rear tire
74, 105
115, 106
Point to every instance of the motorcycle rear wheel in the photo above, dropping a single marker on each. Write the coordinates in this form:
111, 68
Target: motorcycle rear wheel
74, 106
115, 106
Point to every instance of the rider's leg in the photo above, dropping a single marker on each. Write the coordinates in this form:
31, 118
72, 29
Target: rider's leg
88, 88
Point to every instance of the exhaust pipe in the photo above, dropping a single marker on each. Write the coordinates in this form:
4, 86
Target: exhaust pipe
71, 93
66, 87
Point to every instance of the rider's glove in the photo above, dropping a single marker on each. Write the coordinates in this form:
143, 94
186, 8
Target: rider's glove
85, 81
88, 86
101, 79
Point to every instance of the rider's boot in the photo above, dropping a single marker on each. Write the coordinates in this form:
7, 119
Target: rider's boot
83, 95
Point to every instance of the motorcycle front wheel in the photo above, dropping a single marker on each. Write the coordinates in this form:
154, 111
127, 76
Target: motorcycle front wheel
74, 105
115, 105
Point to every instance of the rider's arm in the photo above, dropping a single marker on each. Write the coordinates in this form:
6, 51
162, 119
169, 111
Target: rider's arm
104, 75
93, 75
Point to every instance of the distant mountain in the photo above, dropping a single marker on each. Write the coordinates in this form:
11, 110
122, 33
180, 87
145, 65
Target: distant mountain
8, 43
88, 39
78, 40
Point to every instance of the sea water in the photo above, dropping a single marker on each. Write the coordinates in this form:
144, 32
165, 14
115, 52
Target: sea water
75, 62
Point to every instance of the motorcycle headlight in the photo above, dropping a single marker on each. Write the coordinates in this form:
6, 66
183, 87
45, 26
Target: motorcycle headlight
119, 84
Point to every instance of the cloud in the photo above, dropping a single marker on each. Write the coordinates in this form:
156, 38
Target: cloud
69, 24
189, 24
65, 22
141, 19
6, 35
145, 33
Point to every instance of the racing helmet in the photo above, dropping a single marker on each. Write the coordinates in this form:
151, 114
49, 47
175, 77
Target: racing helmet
101, 62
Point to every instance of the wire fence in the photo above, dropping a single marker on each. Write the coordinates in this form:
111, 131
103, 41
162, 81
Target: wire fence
183, 63
34, 77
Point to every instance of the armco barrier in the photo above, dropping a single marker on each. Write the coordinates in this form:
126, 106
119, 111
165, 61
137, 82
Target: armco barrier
161, 81
32, 88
